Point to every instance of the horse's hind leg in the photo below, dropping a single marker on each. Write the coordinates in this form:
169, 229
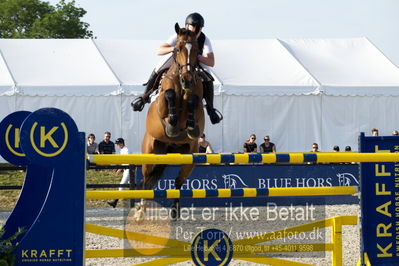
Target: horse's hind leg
171, 129
183, 174
193, 130
151, 173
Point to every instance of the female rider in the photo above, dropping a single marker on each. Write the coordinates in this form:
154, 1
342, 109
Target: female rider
194, 23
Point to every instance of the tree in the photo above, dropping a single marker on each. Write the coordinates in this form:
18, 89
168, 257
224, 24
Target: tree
39, 19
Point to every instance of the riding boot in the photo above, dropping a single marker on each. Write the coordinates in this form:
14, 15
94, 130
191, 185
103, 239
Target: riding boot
139, 102
214, 115
113, 203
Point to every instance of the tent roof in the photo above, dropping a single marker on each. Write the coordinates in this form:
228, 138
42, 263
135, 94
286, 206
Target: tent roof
346, 66
57, 67
243, 67
260, 67
131, 61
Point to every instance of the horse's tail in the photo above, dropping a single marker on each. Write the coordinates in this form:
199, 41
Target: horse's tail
154, 176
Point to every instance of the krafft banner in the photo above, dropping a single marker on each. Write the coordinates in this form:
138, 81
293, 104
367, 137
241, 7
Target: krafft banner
379, 202
50, 208
263, 176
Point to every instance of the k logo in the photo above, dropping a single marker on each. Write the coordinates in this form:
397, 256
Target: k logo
10, 146
47, 139
46, 135
211, 247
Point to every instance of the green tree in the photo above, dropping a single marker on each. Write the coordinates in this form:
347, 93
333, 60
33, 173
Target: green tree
39, 19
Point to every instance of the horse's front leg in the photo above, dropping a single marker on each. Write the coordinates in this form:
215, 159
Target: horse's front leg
193, 130
171, 130
183, 174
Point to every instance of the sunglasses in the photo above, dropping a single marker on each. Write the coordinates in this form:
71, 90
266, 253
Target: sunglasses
253, 138
266, 139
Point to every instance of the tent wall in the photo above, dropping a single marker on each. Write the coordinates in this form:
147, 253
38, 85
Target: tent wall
293, 122
345, 117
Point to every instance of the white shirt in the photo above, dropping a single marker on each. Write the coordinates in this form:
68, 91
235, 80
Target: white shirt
207, 44
124, 150
166, 60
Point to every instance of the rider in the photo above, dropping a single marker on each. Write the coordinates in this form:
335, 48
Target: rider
194, 23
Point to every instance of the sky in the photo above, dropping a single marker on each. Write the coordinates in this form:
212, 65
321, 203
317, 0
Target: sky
378, 20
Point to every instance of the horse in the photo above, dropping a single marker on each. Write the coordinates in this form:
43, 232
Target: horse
175, 120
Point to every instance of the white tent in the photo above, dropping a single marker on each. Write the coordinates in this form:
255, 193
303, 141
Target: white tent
297, 91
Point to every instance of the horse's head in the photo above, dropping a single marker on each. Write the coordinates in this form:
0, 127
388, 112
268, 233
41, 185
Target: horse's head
186, 56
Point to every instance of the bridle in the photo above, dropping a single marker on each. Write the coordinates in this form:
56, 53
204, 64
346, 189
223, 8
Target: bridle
189, 67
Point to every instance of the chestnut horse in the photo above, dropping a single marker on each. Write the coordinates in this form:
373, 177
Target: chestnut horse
175, 120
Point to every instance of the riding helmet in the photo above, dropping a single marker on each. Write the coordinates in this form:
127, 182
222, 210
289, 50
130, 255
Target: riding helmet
195, 19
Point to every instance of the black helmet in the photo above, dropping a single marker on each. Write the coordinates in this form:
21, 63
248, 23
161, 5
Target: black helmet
120, 140
195, 19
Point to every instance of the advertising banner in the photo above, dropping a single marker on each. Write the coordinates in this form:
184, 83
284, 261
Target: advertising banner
379, 202
263, 176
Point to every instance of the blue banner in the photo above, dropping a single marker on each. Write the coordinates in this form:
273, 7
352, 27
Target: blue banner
263, 176
50, 208
379, 202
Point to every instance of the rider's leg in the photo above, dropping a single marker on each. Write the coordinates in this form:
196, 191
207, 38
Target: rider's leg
139, 102
214, 115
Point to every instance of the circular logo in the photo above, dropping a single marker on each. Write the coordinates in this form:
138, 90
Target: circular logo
49, 134
211, 247
10, 147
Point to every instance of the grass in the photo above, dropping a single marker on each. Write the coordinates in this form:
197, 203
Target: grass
8, 198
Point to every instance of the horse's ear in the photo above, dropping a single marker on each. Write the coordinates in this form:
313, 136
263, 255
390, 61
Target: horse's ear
177, 28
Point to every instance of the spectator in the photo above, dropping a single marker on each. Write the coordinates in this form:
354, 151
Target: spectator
349, 149
315, 147
203, 145
92, 146
126, 173
106, 146
267, 146
250, 145
395, 133
374, 132
336, 148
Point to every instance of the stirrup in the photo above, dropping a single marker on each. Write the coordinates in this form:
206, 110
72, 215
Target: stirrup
138, 104
215, 116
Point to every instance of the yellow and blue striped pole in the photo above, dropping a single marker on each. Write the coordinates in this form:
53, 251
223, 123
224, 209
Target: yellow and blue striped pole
243, 158
221, 193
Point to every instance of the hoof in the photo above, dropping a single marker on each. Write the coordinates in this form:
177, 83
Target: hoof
193, 133
171, 131
139, 215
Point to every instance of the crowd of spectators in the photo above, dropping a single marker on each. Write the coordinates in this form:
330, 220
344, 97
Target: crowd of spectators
106, 146
267, 146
